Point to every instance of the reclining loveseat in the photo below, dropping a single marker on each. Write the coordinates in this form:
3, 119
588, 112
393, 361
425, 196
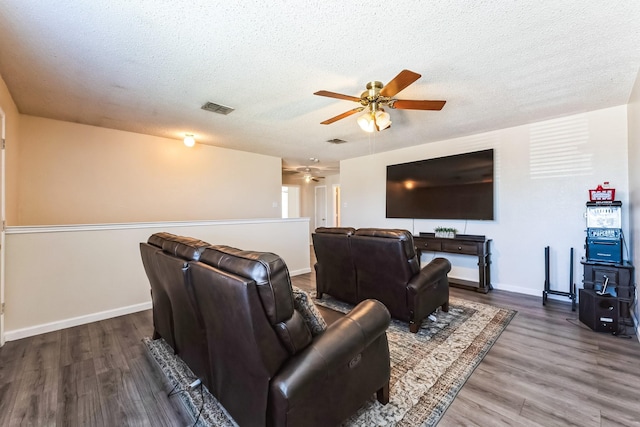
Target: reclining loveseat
257, 351
355, 265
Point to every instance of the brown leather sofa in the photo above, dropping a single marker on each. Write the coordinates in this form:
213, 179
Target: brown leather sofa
263, 362
354, 265
176, 316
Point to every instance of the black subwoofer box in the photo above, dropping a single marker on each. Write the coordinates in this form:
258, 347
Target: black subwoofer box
599, 312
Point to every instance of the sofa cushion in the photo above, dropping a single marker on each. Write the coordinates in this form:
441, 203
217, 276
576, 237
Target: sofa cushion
186, 248
403, 235
268, 270
157, 239
312, 317
349, 231
294, 333
271, 276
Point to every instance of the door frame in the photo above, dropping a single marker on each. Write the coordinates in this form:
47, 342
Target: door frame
2, 221
315, 204
336, 200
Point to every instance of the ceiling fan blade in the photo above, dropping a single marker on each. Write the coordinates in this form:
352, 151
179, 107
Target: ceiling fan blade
342, 116
337, 95
400, 104
399, 82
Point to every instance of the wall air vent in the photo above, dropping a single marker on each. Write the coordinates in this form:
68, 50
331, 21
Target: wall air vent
217, 108
336, 141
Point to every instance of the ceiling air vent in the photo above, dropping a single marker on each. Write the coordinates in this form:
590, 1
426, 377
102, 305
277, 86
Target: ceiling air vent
217, 108
336, 141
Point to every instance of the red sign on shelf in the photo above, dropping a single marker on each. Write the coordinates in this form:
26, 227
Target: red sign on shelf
602, 194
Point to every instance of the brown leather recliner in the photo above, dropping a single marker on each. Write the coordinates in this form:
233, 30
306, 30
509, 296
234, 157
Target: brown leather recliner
386, 268
162, 312
336, 274
175, 309
267, 368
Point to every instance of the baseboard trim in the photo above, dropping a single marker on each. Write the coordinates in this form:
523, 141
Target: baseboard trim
532, 292
518, 289
300, 271
74, 321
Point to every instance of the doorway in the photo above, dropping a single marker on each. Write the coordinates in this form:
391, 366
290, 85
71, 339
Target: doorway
290, 201
321, 206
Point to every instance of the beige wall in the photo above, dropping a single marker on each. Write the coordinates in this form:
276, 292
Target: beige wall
633, 119
12, 117
77, 174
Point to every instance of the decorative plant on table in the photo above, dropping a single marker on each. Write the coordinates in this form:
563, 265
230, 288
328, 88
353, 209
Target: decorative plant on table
447, 232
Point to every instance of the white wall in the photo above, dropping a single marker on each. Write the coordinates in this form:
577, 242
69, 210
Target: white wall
538, 201
64, 276
78, 174
633, 118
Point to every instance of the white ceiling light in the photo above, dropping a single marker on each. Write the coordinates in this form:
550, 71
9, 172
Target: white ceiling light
189, 140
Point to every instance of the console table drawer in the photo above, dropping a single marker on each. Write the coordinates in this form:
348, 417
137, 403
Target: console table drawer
429, 246
457, 247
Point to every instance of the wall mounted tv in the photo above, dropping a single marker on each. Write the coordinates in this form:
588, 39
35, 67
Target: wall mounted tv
452, 187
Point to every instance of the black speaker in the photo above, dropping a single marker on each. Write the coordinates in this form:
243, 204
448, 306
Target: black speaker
599, 312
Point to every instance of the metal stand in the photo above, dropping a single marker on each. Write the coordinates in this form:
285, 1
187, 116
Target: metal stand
572, 286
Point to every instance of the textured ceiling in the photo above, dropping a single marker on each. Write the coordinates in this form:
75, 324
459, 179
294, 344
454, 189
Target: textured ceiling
148, 66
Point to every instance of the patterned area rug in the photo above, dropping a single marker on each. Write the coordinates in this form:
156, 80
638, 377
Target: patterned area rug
427, 369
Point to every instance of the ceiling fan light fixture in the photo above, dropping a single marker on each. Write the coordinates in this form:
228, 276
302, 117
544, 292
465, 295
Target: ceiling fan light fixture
374, 121
382, 119
366, 123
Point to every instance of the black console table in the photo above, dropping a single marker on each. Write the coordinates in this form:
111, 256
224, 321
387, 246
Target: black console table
464, 244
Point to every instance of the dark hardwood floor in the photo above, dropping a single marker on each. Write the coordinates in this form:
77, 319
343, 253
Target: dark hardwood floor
546, 369
90, 375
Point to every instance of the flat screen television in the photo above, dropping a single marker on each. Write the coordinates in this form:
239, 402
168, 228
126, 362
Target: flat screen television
452, 187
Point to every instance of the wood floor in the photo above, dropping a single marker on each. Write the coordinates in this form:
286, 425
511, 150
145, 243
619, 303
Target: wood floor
546, 369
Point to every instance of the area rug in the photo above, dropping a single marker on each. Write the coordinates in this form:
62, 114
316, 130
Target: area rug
427, 369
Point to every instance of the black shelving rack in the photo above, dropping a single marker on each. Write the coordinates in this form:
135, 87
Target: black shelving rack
547, 285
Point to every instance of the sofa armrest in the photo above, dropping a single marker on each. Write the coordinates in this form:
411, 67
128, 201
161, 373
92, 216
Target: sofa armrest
429, 274
342, 344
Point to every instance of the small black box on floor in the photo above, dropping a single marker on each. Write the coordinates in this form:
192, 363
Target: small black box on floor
599, 312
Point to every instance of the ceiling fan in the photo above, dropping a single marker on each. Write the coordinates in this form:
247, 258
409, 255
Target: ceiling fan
376, 97
307, 173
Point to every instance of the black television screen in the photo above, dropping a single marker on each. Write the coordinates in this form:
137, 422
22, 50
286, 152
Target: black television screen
452, 187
